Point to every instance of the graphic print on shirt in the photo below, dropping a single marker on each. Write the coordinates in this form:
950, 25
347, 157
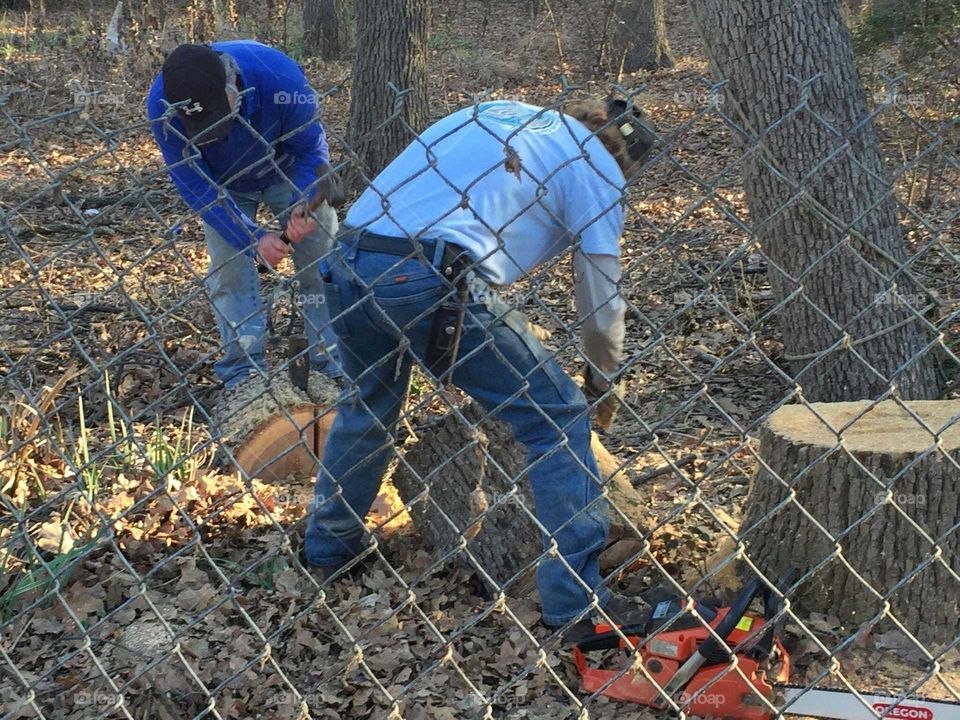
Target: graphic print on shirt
514, 115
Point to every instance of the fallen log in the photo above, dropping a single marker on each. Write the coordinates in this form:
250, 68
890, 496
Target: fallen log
466, 490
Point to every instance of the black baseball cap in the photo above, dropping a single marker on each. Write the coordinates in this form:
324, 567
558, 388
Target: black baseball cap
195, 74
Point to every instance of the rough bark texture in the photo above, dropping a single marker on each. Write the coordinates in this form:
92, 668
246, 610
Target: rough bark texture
150, 14
882, 542
452, 462
38, 14
762, 48
643, 35
459, 479
392, 49
328, 28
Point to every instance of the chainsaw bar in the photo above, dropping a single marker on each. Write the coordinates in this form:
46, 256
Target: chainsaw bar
845, 705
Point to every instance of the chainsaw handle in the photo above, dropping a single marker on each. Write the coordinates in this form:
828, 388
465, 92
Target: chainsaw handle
610, 639
710, 648
772, 605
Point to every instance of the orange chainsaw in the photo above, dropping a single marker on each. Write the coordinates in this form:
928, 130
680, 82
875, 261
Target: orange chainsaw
674, 655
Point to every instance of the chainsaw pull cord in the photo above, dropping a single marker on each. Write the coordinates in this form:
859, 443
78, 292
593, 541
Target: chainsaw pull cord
709, 647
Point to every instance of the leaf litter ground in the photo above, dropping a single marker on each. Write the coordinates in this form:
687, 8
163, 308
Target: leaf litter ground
179, 583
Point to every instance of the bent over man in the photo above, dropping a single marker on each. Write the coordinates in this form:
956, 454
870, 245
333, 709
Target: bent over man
245, 133
478, 201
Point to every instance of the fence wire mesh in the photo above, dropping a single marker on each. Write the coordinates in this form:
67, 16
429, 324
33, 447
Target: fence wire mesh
151, 528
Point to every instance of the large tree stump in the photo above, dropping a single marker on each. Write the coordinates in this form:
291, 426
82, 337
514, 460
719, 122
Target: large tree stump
465, 482
876, 524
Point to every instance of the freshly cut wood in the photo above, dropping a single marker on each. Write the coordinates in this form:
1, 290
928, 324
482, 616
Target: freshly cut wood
273, 429
465, 485
871, 492
286, 444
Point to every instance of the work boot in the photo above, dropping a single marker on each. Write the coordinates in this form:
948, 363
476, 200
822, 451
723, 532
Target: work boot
621, 609
327, 575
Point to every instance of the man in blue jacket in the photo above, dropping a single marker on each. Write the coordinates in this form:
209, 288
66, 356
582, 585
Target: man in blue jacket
236, 124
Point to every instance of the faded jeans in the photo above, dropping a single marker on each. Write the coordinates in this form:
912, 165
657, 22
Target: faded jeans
503, 367
234, 287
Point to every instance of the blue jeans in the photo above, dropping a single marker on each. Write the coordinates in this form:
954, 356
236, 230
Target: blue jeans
233, 284
373, 297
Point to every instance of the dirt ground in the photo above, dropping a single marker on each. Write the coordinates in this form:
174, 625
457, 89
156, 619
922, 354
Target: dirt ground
168, 588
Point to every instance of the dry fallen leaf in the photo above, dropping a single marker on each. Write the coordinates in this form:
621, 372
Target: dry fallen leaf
55, 536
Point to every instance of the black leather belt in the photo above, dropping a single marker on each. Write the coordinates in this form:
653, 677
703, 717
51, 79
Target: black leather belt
453, 255
447, 322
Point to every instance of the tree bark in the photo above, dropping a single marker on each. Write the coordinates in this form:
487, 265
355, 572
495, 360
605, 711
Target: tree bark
38, 14
465, 482
819, 199
642, 35
392, 50
844, 490
328, 28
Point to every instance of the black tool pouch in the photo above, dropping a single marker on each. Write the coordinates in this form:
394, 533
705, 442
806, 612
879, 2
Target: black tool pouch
445, 338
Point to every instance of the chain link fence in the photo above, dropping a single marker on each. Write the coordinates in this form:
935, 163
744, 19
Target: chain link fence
147, 572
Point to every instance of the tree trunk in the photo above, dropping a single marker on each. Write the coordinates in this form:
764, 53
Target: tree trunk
328, 28
905, 549
200, 23
820, 204
643, 35
151, 14
392, 50
466, 482
38, 14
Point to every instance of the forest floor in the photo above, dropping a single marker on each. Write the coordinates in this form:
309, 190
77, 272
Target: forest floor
175, 581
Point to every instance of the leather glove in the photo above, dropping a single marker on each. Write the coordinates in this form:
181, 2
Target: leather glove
330, 186
604, 397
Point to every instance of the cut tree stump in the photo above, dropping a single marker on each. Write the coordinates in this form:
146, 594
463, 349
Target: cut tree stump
458, 480
904, 542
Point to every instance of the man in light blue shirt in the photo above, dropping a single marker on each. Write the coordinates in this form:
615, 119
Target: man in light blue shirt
509, 220
476, 202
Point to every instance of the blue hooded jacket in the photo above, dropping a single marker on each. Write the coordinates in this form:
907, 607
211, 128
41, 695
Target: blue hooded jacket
287, 141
